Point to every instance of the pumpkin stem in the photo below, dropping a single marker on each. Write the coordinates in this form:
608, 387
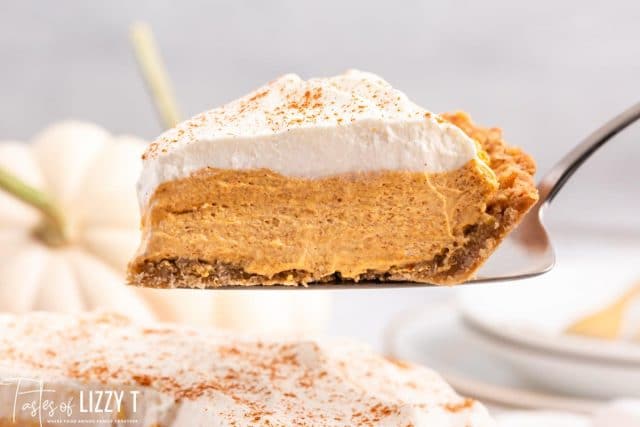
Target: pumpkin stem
52, 230
154, 73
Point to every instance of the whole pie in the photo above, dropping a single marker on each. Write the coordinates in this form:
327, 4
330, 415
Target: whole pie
164, 375
339, 179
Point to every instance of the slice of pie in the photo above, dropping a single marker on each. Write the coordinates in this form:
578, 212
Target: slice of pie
173, 376
332, 179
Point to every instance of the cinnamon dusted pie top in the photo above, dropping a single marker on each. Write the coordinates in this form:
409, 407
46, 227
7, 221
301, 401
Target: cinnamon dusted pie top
353, 122
189, 377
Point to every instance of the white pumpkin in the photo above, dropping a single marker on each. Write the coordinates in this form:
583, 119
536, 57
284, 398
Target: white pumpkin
91, 176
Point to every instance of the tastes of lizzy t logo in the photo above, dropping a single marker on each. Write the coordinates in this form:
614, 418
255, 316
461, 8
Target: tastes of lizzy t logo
28, 399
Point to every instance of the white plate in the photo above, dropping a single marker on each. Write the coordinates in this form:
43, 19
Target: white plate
436, 337
562, 372
592, 270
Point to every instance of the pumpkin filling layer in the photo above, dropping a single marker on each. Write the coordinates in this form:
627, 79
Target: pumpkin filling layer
234, 227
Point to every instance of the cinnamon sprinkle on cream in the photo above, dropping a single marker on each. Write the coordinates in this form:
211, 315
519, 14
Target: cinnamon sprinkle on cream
192, 377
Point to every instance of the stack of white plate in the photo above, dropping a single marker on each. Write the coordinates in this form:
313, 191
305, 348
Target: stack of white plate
506, 343
546, 357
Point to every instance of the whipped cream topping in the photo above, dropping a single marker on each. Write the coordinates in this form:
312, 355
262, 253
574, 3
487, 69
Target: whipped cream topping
354, 122
189, 377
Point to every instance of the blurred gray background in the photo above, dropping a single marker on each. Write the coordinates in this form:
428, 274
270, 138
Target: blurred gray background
548, 72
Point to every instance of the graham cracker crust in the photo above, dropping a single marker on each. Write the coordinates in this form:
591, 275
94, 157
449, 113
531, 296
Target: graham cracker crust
515, 195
